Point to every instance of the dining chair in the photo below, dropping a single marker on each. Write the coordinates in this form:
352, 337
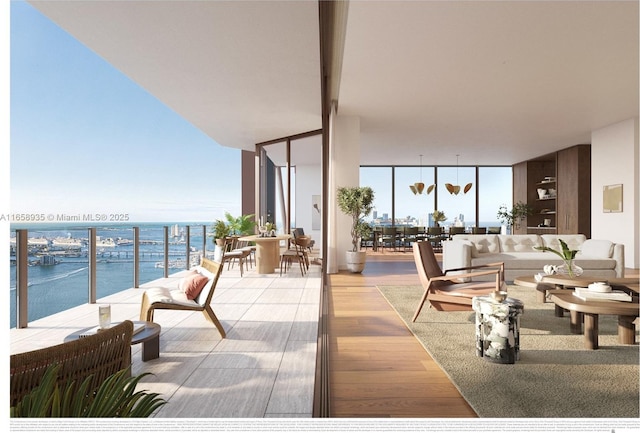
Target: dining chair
232, 252
479, 230
297, 252
494, 230
435, 235
410, 236
447, 292
453, 230
389, 238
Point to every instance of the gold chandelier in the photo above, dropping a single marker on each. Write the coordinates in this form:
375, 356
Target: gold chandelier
418, 187
455, 189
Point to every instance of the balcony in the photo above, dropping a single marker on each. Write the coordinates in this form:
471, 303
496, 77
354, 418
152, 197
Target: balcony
265, 367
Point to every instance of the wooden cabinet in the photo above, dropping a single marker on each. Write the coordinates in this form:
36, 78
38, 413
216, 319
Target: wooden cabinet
574, 190
565, 206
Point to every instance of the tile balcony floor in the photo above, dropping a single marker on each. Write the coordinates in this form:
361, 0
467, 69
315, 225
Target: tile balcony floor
265, 367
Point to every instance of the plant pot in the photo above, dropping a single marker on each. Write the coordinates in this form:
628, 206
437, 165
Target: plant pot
356, 261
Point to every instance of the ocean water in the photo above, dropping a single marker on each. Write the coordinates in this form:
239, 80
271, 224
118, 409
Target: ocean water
54, 288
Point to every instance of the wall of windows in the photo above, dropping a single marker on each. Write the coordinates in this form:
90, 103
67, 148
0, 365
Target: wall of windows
395, 203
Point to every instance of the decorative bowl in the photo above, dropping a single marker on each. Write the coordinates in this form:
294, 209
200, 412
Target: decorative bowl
600, 286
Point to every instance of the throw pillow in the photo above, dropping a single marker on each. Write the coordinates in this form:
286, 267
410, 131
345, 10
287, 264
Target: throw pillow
596, 248
192, 285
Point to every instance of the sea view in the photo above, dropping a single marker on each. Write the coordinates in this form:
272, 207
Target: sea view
58, 271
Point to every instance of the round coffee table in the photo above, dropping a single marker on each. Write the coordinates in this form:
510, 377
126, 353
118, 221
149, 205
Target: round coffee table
149, 337
588, 312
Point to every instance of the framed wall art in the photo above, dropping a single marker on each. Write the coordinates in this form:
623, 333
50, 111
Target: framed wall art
612, 198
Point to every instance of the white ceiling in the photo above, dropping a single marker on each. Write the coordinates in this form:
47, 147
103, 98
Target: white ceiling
496, 82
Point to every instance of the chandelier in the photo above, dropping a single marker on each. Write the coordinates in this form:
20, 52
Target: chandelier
418, 187
455, 189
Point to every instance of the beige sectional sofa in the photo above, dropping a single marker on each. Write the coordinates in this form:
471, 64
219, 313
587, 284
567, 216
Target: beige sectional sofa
598, 258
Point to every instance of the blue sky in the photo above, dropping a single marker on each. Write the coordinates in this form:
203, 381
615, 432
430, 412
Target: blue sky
86, 139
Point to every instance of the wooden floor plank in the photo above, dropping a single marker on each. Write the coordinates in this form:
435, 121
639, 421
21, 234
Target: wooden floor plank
377, 367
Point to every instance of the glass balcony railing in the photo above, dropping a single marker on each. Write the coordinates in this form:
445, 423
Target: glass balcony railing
53, 269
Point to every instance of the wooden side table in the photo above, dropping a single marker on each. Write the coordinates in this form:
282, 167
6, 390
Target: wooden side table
149, 337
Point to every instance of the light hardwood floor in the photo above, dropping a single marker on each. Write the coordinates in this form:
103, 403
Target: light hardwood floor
377, 367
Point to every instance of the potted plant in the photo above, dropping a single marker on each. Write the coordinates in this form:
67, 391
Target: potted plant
115, 397
241, 225
513, 217
357, 203
220, 232
438, 217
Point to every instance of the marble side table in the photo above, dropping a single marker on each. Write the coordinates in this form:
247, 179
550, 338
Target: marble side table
498, 328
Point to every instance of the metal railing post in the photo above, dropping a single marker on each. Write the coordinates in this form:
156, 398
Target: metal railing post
91, 256
166, 251
188, 236
204, 241
136, 257
22, 277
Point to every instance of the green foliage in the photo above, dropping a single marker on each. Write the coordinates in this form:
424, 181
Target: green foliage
439, 216
241, 225
220, 229
115, 397
356, 202
513, 217
567, 255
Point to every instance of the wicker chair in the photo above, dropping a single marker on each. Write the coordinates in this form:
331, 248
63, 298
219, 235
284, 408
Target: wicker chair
100, 355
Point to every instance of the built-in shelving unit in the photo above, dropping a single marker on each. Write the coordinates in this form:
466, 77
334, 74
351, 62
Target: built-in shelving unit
565, 206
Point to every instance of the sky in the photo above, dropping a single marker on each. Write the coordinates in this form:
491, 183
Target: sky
87, 140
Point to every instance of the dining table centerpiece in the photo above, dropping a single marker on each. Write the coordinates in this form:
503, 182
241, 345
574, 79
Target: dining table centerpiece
567, 255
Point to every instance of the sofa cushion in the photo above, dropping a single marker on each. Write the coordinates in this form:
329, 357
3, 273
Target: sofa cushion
596, 248
481, 244
574, 242
519, 243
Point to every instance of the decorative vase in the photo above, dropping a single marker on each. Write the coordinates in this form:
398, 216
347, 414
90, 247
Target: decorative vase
569, 269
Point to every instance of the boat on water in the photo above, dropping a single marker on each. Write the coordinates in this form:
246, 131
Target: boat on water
105, 243
177, 263
68, 242
121, 242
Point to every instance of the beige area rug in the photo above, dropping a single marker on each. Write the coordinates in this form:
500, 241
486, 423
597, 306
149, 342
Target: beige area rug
555, 376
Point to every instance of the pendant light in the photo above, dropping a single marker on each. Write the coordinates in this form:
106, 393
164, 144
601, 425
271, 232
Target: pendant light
455, 189
418, 187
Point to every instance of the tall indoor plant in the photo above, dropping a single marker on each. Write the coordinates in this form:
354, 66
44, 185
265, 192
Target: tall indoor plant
512, 218
357, 203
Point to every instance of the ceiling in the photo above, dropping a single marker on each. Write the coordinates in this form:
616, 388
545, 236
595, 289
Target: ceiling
494, 82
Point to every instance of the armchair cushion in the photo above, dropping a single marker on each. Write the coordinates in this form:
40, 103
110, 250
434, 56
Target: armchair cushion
596, 248
193, 284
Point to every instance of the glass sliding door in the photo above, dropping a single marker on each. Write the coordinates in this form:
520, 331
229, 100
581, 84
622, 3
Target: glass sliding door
290, 185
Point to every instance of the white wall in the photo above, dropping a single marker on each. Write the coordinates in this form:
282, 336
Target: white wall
344, 155
308, 184
615, 159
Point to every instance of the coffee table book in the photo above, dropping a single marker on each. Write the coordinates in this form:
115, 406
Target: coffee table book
589, 295
137, 327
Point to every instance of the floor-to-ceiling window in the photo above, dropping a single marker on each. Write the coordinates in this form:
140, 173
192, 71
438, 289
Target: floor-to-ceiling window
380, 179
411, 208
495, 187
291, 184
396, 203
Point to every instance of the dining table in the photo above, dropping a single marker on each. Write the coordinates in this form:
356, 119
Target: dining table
267, 251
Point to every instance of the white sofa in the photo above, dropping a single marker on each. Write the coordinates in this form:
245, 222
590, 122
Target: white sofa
598, 258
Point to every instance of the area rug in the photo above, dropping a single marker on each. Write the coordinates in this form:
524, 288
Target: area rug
555, 375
